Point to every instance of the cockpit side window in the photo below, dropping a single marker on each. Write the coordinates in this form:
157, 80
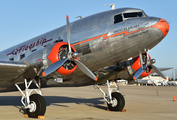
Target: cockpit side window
118, 18
133, 15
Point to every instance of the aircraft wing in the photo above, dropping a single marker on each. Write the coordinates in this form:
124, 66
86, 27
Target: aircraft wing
162, 69
11, 69
112, 70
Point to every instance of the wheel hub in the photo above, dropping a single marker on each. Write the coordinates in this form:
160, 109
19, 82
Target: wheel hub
114, 102
32, 106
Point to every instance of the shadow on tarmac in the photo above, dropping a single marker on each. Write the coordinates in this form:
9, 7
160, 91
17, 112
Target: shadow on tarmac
55, 100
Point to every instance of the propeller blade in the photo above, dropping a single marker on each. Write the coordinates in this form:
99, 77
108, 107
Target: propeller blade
158, 71
54, 67
85, 70
139, 72
141, 60
147, 56
68, 32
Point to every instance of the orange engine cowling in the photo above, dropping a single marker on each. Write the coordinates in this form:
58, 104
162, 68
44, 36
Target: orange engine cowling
60, 51
136, 65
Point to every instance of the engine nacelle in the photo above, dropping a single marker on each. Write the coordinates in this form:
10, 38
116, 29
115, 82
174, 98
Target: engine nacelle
132, 66
60, 51
136, 65
42, 58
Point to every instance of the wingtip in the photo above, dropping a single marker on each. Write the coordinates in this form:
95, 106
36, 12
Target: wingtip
67, 17
96, 79
134, 78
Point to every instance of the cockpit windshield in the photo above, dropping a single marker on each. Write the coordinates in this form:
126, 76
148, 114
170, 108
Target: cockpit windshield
133, 15
127, 15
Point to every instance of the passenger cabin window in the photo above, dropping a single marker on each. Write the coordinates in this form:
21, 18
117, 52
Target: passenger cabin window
118, 18
11, 59
22, 56
133, 15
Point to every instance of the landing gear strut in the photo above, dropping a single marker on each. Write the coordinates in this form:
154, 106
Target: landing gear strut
115, 100
34, 104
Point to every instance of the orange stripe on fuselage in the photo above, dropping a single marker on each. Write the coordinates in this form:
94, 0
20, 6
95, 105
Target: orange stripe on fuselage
106, 37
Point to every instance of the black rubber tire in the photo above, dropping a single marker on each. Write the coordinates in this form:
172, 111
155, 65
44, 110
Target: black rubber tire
120, 102
40, 106
123, 101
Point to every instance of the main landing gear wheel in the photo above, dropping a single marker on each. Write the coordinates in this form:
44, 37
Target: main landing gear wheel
37, 106
114, 99
118, 102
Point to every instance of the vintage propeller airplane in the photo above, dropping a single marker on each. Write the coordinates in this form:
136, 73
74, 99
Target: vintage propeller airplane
104, 46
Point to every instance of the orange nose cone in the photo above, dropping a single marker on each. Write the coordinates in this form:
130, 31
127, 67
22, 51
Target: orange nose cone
163, 26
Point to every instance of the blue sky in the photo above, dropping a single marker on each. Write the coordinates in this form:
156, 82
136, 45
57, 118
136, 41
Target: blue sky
21, 20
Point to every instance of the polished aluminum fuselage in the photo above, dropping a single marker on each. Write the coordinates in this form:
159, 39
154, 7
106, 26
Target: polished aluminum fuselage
99, 42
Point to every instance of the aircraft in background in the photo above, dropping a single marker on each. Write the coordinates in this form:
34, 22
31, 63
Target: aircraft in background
153, 80
173, 83
88, 51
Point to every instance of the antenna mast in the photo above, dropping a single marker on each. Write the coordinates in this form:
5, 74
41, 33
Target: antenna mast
112, 6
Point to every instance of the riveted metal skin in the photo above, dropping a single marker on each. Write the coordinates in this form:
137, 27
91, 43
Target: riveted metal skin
99, 41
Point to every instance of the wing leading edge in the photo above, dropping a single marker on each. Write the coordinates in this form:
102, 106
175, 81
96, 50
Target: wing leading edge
11, 69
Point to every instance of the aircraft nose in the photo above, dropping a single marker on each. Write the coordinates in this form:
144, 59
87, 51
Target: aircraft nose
162, 25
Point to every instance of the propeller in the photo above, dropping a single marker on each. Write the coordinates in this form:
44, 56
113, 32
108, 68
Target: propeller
71, 57
139, 72
158, 71
141, 60
54, 67
68, 33
145, 62
144, 66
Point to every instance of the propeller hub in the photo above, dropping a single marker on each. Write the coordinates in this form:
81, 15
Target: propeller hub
152, 61
75, 54
69, 56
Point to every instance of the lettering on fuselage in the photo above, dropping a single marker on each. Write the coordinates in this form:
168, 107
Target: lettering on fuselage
135, 35
125, 29
30, 46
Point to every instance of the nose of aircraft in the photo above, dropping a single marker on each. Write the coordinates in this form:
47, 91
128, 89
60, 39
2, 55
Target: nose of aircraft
162, 25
